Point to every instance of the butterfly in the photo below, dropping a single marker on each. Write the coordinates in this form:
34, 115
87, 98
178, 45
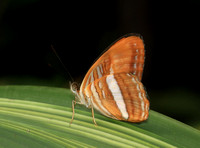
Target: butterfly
113, 85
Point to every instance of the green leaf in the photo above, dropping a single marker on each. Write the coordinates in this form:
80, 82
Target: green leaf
35, 116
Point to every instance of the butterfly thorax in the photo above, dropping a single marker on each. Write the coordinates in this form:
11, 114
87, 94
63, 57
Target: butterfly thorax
79, 95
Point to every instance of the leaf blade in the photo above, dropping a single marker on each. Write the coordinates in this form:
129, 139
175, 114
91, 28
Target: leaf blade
49, 109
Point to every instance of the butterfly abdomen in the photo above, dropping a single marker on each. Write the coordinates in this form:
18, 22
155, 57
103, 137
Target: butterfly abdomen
120, 96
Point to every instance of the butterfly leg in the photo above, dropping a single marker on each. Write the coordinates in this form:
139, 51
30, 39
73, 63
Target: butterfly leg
73, 105
93, 115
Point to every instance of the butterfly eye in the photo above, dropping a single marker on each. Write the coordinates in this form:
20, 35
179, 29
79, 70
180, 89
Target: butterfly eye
74, 87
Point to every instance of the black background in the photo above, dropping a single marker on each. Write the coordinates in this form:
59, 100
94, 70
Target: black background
81, 30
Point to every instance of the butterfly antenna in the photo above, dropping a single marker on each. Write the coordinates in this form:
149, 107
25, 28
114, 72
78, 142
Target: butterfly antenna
62, 63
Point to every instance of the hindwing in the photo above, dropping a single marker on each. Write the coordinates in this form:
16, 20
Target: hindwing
120, 96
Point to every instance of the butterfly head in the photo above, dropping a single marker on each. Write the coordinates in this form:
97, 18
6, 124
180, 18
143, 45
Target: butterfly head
74, 86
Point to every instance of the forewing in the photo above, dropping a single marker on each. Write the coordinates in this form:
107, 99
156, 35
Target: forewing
124, 56
120, 96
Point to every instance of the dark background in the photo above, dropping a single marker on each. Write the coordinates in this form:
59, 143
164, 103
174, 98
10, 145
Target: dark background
81, 30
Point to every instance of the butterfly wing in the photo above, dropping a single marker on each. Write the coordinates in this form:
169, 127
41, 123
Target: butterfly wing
120, 96
113, 84
125, 55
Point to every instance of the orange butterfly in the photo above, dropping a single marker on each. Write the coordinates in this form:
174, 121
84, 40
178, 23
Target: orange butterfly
113, 85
